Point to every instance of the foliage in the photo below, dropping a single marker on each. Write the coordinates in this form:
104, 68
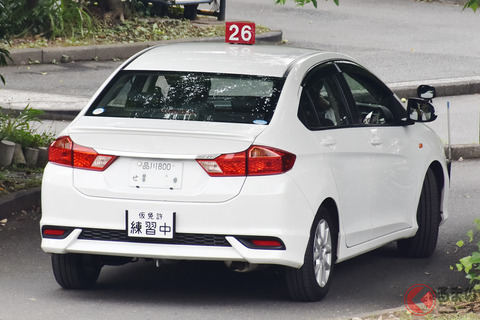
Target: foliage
9, 123
17, 128
473, 4
471, 264
139, 30
50, 18
304, 2
64, 18
135, 30
31, 139
12, 14
4, 55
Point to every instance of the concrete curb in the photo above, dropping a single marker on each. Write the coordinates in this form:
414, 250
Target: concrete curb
111, 52
443, 87
18, 201
464, 151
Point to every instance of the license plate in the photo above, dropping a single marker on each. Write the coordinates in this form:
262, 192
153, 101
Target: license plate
150, 224
149, 173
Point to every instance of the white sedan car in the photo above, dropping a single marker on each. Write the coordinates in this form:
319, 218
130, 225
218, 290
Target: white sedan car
252, 155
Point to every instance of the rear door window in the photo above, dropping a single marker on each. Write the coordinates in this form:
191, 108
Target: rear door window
321, 104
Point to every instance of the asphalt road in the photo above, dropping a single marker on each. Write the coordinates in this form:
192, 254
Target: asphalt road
200, 290
406, 40
401, 40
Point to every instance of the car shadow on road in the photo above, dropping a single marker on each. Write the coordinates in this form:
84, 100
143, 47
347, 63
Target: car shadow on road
382, 273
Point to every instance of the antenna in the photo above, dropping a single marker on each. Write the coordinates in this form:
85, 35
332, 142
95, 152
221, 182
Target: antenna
449, 144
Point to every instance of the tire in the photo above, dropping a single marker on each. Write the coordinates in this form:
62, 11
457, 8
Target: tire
221, 10
190, 11
312, 281
423, 244
76, 271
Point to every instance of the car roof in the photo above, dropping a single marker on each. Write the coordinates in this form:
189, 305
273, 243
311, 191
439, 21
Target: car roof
261, 60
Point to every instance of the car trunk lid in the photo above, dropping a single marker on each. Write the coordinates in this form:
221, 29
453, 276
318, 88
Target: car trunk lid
157, 158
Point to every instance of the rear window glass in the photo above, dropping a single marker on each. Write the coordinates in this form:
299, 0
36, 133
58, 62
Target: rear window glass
189, 97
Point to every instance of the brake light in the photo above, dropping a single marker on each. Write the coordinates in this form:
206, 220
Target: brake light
64, 151
257, 160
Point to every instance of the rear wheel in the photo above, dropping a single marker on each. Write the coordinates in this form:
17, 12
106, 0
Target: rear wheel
312, 281
423, 244
76, 271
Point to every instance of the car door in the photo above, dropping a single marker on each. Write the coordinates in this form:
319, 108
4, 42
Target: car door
346, 150
379, 115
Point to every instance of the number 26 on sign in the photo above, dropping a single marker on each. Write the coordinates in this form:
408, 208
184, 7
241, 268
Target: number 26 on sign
240, 32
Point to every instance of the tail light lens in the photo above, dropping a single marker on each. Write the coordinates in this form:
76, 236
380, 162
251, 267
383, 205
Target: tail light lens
257, 160
65, 152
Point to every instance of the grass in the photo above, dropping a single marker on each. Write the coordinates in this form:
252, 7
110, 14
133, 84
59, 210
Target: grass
135, 30
466, 308
406, 316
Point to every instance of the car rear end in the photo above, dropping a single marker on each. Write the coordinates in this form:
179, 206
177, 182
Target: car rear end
163, 164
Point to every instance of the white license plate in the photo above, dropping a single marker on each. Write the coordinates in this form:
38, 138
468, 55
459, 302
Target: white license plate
150, 224
150, 173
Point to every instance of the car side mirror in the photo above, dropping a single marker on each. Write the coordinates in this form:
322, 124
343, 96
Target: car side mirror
420, 110
426, 92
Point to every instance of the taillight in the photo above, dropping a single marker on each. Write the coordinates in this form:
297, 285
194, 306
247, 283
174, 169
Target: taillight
257, 160
65, 152
232, 164
264, 160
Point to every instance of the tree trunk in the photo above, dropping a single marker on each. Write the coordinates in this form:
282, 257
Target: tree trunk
114, 10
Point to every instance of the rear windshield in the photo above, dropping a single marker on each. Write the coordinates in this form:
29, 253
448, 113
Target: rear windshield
189, 97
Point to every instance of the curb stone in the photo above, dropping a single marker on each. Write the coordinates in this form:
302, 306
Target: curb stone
18, 201
464, 151
111, 51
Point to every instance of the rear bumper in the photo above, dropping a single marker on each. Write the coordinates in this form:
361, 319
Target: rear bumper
270, 206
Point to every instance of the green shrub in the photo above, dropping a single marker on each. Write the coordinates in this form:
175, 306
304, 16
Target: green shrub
64, 18
471, 263
49, 18
17, 128
31, 139
12, 18
10, 123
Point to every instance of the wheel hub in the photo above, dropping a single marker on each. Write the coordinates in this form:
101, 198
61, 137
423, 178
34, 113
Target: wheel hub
322, 253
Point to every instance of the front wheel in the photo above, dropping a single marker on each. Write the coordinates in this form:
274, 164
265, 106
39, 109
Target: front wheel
424, 242
76, 271
312, 281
